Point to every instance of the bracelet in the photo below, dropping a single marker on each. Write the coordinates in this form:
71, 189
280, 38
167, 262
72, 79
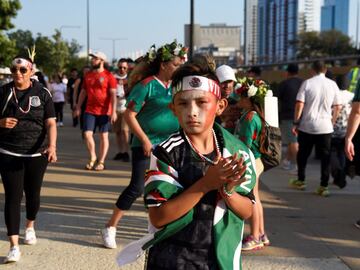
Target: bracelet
225, 192
296, 123
52, 145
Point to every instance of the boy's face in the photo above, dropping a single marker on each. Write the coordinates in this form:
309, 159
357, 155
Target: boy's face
196, 110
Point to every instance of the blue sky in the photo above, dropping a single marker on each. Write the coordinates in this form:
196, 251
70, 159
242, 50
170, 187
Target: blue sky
140, 23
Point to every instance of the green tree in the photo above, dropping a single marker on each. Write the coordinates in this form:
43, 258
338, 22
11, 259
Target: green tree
23, 40
327, 43
8, 10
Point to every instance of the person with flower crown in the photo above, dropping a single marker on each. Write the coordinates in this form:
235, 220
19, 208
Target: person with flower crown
250, 129
198, 189
27, 145
149, 119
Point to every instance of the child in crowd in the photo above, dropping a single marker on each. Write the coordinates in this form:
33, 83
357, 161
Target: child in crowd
250, 130
199, 186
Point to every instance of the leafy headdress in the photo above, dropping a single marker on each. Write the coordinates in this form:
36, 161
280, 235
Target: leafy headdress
166, 52
252, 88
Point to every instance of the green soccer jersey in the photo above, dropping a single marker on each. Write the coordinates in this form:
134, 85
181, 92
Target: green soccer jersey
150, 99
248, 130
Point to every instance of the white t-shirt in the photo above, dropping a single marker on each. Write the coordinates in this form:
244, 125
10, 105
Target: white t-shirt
318, 94
58, 92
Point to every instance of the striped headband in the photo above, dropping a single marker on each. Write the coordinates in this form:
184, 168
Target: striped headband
197, 83
22, 62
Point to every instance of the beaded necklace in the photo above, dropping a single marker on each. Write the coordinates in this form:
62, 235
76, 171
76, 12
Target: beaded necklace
204, 158
17, 103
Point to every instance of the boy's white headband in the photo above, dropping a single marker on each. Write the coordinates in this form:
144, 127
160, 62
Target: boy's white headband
197, 83
23, 62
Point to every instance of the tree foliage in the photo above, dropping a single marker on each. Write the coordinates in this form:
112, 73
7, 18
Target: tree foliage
53, 54
8, 10
323, 44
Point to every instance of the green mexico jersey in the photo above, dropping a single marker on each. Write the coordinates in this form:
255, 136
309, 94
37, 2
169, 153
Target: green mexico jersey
150, 99
248, 130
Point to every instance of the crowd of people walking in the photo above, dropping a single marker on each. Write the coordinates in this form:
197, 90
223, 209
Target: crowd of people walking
194, 134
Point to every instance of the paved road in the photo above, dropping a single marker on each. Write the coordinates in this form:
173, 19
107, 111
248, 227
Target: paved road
307, 232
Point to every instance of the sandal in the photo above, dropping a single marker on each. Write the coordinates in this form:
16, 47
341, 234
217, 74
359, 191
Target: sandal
100, 166
90, 165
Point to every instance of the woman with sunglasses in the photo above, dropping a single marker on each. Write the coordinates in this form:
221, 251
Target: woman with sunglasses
27, 144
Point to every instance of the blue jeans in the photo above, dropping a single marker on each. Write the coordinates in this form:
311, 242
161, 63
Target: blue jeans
140, 164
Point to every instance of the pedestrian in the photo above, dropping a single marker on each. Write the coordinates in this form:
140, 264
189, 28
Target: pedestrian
250, 129
227, 80
58, 90
121, 128
70, 93
318, 103
149, 119
27, 144
99, 86
353, 76
352, 138
337, 155
77, 89
288, 90
198, 190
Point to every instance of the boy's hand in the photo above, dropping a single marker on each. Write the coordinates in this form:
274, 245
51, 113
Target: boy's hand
227, 170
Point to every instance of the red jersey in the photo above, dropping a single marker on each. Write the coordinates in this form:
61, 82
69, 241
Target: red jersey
97, 86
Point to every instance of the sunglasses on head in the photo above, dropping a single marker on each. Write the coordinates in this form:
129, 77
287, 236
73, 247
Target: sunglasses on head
23, 70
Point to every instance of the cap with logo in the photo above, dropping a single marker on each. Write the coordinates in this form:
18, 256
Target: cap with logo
100, 55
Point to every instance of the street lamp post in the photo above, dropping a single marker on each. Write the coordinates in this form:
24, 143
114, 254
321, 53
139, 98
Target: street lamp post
113, 44
191, 32
87, 31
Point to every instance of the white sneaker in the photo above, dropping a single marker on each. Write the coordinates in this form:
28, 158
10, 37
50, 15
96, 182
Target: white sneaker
13, 255
30, 237
108, 235
286, 164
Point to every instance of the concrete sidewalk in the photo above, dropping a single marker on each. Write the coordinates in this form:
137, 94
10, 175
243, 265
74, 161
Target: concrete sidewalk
307, 232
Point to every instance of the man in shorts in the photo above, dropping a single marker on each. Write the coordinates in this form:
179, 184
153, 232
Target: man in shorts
99, 87
288, 90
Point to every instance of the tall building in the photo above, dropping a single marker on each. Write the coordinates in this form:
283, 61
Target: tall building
342, 15
220, 40
251, 29
279, 23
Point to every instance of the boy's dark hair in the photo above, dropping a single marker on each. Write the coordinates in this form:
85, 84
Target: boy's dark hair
319, 66
292, 69
73, 69
122, 60
200, 66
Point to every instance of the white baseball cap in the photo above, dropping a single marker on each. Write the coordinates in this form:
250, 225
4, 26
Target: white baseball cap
225, 73
100, 55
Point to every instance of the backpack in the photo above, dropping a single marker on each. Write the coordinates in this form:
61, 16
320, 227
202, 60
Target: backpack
271, 153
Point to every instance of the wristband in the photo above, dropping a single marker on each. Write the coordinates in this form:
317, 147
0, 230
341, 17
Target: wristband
296, 123
225, 192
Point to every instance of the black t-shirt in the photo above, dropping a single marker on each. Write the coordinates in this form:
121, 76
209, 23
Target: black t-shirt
28, 136
288, 90
193, 246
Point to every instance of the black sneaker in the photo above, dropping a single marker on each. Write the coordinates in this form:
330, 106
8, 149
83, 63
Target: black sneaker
118, 156
357, 224
125, 157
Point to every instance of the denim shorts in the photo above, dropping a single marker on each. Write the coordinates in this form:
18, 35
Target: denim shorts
91, 122
286, 135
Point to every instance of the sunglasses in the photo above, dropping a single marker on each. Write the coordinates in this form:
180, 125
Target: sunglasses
23, 70
122, 67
